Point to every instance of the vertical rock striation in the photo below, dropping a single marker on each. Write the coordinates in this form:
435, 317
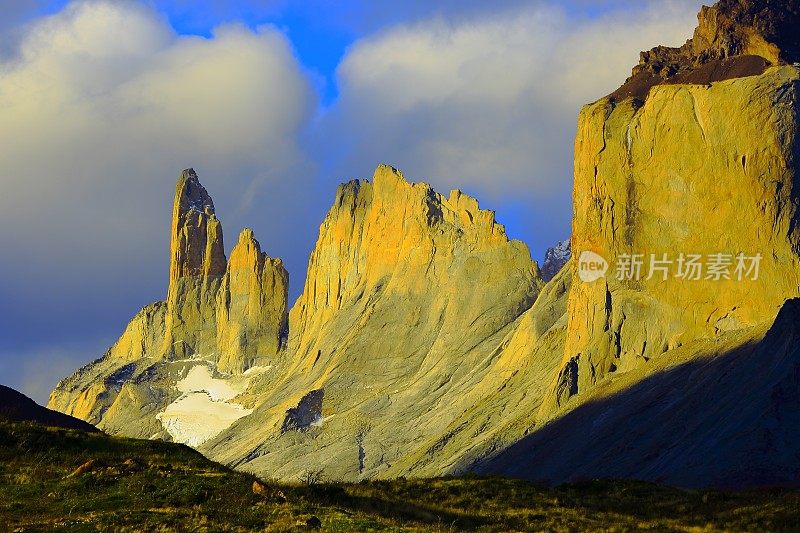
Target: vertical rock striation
409, 296
252, 312
390, 239
197, 265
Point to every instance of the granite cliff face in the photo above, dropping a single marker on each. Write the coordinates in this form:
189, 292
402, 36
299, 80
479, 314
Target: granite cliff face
693, 171
408, 298
388, 245
197, 265
689, 197
252, 310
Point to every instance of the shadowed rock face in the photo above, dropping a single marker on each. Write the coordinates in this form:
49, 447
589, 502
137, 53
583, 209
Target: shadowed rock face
721, 412
307, 412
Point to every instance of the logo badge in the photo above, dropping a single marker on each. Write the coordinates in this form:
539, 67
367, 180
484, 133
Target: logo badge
591, 267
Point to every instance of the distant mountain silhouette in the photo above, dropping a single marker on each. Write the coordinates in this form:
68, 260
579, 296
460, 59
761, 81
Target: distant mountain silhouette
17, 407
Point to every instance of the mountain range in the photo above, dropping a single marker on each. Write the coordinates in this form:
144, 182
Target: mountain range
660, 343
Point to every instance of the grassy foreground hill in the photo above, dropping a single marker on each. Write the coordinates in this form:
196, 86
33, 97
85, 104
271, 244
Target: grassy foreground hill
55, 479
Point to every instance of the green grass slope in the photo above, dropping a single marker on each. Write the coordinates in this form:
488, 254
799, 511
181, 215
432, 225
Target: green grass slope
57, 479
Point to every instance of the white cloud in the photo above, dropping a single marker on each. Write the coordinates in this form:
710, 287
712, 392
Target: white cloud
104, 98
100, 110
490, 103
103, 89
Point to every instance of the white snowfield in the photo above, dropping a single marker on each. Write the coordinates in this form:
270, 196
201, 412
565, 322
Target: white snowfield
199, 379
203, 411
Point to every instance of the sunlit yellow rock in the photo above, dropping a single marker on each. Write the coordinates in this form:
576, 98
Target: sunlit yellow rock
694, 170
91, 390
409, 301
197, 265
252, 311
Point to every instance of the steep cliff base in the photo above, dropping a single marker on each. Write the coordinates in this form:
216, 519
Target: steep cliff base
721, 412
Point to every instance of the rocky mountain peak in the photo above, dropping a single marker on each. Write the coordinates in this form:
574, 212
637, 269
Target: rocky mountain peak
390, 234
247, 236
190, 195
196, 244
197, 265
403, 280
245, 297
733, 39
766, 28
555, 258
252, 311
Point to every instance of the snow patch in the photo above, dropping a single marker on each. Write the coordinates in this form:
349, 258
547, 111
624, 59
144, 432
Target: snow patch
555, 258
200, 379
317, 423
203, 411
561, 251
195, 418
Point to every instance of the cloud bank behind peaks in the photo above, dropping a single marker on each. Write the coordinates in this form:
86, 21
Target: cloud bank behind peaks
103, 103
490, 103
100, 109
105, 106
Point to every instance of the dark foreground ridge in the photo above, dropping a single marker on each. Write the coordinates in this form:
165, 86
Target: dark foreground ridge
54, 479
16, 407
733, 39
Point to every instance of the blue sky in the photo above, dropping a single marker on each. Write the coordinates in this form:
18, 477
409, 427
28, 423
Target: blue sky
318, 41
103, 103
